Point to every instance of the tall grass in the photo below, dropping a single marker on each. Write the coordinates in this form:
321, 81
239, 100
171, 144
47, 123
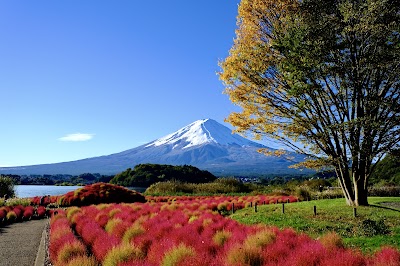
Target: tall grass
219, 186
18, 201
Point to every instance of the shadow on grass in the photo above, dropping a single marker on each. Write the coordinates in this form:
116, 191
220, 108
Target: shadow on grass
385, 207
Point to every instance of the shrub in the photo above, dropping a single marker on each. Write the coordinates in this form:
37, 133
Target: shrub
387, 256
132, 232
19, 211
6, 187
331, 240
11, 216
82, 261
103, 244
385, 191
100, 193
370, 227
169, 187
260, 239
69, 251
60, 232
177, 254
18, 201
112, 224
56, 244
220, 185
41, 212
244, 255
329, 194
221, 237
71, 212
123, 253
303, 193
3, 213
28, 212
315, 184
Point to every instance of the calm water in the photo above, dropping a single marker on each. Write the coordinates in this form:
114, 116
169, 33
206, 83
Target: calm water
26, 191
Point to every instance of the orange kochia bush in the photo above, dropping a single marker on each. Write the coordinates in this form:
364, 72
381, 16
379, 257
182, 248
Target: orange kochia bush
187, 233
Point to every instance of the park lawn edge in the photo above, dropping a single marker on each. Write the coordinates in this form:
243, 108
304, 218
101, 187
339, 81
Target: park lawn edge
332, 215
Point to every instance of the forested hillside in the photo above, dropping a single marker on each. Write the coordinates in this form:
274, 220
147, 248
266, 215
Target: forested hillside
143, 175
387, 171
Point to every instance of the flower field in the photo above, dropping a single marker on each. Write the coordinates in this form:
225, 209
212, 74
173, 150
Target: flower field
190, 231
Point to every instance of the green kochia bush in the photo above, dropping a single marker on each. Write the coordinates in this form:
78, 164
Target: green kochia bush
100, 193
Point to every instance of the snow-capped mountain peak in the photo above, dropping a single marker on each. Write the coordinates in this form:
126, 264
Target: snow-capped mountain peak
202, 132
204, 143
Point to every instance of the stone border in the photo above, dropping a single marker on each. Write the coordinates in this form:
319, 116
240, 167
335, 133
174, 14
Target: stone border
41, 256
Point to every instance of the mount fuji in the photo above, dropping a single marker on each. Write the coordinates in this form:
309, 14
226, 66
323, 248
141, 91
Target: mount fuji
205, 144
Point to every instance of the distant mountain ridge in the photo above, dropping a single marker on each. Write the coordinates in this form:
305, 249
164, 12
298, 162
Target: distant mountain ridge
205, 144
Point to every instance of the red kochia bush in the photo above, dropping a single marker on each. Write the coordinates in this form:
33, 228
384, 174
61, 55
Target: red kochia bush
63, 246
100, 193
41, 211
19, 211
43, 200
28, 212
3, 213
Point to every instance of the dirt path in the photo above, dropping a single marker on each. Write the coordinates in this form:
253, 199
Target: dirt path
20, 242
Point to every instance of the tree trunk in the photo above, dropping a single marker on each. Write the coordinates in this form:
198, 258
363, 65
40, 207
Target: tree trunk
361, 193
355, 193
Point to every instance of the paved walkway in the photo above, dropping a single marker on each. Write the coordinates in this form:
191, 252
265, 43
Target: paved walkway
21, 244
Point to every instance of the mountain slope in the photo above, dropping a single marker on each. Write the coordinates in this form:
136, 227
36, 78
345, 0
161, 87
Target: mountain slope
204, 143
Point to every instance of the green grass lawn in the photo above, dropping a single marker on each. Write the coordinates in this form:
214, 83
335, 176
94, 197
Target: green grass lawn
374, 226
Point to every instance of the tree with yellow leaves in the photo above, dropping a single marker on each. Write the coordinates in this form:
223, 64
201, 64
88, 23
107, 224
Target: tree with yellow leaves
323, 78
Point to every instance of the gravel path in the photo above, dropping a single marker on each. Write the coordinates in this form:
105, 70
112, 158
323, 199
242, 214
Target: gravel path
20, 243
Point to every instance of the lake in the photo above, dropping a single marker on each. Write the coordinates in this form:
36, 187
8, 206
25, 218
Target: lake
27, 191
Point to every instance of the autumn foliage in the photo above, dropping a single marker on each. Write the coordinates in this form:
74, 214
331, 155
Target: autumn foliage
321, 78
190, 231
99, 193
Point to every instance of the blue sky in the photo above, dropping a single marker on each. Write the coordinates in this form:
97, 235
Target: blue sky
87, 78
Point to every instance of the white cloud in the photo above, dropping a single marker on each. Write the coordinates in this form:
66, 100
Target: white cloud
77, 137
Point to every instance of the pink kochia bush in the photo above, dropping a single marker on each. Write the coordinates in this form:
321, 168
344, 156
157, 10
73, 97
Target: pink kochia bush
190, 233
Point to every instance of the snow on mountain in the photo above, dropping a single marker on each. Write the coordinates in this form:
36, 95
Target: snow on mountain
201, 132
204, 143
